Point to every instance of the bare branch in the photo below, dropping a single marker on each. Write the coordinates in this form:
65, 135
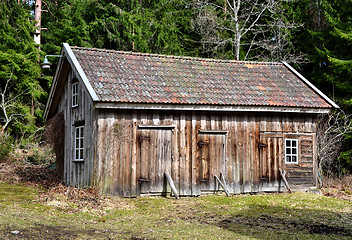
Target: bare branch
7, 103
331, 130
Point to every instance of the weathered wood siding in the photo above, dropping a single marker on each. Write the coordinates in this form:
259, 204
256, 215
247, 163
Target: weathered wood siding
135, 149
78, 174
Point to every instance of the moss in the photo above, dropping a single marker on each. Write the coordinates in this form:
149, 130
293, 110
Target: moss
274, 216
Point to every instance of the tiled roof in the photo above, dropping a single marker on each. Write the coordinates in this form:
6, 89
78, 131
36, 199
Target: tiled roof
127, 77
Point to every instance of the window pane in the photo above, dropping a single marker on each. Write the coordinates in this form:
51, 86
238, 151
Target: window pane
81, 132
288, 159
288, 150
294, 150
288, 143
81, 145
81, 154
77, 154
294, 143
77, 143
294, 159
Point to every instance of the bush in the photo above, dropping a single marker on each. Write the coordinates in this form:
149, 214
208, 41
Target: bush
6, 145
39, 156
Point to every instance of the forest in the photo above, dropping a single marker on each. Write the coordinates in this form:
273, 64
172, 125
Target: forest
315, 36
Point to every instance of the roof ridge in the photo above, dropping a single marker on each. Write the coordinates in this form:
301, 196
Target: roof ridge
177, 57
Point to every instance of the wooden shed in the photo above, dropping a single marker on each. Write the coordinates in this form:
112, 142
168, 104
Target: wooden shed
132, 117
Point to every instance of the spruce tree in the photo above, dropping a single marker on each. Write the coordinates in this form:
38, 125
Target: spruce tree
19, 70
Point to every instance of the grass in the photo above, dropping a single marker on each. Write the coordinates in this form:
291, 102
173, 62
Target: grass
271, 216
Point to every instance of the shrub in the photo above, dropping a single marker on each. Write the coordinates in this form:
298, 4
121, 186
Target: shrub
6, 145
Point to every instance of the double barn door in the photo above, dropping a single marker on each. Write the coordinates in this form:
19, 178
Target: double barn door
155, 159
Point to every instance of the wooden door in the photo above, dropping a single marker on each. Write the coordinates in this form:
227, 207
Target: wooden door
155, 159
212, 159
271, 157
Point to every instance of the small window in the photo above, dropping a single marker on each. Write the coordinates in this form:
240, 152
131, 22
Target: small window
75, 94
79, 147
291, 151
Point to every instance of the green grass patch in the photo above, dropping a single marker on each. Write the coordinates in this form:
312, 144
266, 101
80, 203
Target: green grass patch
272, 216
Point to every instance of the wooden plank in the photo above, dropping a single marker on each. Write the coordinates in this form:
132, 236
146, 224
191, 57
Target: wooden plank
240, 155
213, 166
175, 152
194, 166
247, 158
114, 159
269, 159
314, 124
295, 123
229, 153
126, 141
314, 160
281, 153
226, 166
221, 132
235, 161
276, 160
269, 125
263, 123
182, 152
282, 173
223, 185
301, 128
308, 123
188, 157
252, 151
276, 123
172, 185
222, 177
134, 155
153, 153
255, 166
144, 155
158, 126
286, 123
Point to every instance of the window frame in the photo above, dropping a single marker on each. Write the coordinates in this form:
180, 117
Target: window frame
78, 153
291, 149
74, 92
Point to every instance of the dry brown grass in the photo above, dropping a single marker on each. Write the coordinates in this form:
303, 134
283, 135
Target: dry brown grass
340, 188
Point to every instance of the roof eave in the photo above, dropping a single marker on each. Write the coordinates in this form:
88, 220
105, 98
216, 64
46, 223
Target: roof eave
79, 71
53, 87
201, 107
326, 98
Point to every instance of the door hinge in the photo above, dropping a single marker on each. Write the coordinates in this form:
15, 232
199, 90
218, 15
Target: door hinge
260, 145
200, 144
141, 138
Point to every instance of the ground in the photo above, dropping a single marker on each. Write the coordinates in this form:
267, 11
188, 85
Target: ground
34, 204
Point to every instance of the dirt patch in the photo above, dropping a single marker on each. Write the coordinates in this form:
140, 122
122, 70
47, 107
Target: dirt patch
28, 174
275, 223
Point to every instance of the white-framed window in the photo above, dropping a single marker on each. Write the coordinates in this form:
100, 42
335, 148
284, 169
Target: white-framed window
75, 94
79, 144
291, 151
